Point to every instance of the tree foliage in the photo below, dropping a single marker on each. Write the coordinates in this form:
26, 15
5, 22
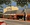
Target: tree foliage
5, 1
22, 2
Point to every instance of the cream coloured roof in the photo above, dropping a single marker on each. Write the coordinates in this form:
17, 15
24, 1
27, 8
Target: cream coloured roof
12, 8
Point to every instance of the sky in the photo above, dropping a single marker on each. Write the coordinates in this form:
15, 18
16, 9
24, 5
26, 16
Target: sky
14, 4
28, 5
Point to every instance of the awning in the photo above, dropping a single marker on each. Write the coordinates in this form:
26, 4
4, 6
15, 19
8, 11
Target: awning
12, 8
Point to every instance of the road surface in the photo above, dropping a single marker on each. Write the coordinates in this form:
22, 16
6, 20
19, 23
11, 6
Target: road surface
10, 22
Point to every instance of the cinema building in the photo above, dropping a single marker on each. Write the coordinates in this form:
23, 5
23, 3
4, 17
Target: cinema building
14, 13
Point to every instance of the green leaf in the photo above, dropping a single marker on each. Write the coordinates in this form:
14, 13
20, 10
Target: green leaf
26, 4
4, 1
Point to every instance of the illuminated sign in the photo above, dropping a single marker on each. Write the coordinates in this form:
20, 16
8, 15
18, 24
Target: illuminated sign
9, 9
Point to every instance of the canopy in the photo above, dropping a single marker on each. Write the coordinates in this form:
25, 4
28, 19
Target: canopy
12, 8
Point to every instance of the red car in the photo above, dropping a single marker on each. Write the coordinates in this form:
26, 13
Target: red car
2, 22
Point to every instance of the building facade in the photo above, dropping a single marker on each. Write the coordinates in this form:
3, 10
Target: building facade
14, 13
10, 11
28, 13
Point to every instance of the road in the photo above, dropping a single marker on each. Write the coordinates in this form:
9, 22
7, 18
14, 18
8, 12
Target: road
10, 22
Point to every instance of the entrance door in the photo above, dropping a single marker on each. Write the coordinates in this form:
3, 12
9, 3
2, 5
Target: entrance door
19, 16
1, 16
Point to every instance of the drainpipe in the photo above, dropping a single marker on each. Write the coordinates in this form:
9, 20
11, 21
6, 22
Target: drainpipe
24, 16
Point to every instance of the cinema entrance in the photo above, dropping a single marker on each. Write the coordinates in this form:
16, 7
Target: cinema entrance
19, 17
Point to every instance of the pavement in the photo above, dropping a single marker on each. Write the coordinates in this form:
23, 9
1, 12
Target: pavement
15, 22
